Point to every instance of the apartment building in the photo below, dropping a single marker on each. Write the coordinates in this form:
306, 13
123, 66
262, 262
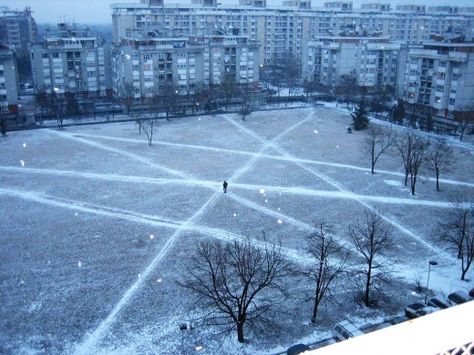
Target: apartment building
17, 29
376, 6
371, 60
299, 4
253, 3
443, 9
338, 5
150, 61
413, 8
282, 30
71, 61
439, 76
8, 80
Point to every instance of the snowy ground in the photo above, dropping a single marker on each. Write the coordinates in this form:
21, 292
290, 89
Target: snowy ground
98, 227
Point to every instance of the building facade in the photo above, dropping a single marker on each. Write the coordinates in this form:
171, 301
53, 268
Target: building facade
439, 76
9, 82
283, 30
17, 29
73, 61
372, 61
150, 62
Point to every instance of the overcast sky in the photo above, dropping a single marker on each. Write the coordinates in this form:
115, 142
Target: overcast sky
98, 11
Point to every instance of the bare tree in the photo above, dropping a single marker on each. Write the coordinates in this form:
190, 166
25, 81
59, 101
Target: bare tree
148, 128
236, 282
128, 96
377, 142
56, 103
412, 150
170, 99
347, 86
418, 157
467, 254
309, 87
439, 158
291, 71
229, 89
462, 128
330, 263
371, 238
42, 101
457, 232
465, 118
3, 121
454, 227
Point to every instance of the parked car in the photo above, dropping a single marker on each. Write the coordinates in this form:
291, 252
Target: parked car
416, 310
345, 330
439, 301
399, 319
297, 349
459, 297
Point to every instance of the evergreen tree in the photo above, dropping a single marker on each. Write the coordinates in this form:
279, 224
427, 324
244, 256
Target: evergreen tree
72, 105
399, 112
359, 117
429, 123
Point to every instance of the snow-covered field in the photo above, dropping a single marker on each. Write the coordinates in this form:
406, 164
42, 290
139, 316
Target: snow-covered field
97, 227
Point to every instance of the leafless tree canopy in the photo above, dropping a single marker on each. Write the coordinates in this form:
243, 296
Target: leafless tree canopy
377, 142
465, 118
412, 150
330, 263
149, 127
456, 231
229, 89
371, 238
236, 283
347, 86
440, 159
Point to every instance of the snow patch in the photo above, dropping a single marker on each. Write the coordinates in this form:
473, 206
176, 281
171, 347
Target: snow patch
392, 183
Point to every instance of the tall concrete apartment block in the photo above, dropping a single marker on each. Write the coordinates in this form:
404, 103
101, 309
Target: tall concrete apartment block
338, 5
280, 30
253, 3
440, 76
71, 61
8, 80
17, 29
299, 4
372, 60
376, 6
151, 61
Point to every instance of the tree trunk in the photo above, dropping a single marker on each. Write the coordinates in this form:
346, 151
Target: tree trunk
406, 177
315, 310
437, 180
367, 287
413, 185
240, 332
373, 167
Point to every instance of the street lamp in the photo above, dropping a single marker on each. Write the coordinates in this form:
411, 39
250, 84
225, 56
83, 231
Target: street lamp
430, 264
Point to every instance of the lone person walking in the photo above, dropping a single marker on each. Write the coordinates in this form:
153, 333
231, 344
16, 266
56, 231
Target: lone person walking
224, 186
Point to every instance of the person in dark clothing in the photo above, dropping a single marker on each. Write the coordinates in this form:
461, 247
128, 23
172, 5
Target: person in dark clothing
224, 185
